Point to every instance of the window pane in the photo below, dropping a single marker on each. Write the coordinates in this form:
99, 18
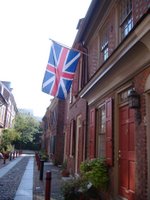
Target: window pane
105, 53
101, 125
126, 21
127, 26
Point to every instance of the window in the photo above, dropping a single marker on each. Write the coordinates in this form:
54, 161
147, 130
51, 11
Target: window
101, 129
7, 120
81, 75
53, 118
104, 45
126, 19
2, 114
123, 96
104, 131
52, 144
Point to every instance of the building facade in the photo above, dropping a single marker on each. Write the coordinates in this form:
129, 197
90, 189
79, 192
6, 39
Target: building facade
109, 110
8, 108
53, 124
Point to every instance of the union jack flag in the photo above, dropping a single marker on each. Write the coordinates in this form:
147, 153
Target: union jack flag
60, 71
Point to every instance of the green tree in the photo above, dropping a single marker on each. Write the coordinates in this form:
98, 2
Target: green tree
26, 133
28, 128
8, 138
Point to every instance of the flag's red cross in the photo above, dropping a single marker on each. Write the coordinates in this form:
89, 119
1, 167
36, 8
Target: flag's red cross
58, 71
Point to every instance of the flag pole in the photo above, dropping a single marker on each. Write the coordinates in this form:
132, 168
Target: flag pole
68, 47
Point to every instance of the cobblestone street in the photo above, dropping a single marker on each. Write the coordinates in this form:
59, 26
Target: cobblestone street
11, 180
9, 183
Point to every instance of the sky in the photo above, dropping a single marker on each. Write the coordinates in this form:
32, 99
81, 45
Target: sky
26, 27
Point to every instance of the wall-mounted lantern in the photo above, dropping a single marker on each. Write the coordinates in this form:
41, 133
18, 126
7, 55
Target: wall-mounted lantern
134, 99
134, 102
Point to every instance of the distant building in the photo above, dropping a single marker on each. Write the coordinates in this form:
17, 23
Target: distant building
30, 113
8, 108
26, 111
53, 124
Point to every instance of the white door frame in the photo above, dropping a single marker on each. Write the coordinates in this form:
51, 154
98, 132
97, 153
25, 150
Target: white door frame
78, 126
147, 124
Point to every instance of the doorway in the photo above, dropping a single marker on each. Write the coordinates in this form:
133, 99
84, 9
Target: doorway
126, 153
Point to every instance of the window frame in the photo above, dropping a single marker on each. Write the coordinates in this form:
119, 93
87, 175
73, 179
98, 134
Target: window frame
104, 42
125, 18
101, 135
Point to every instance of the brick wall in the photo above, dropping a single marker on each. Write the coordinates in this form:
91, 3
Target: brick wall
93, 57
78, 108
112, 32
139, 8
141, 140
59, 151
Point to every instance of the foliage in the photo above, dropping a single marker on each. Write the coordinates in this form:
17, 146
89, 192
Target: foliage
27, 126
64, 170
8, 137
9, 148
64, 165
37, 136
72, 189
26, 133
92, 183
96, 172
43, 155
29, 130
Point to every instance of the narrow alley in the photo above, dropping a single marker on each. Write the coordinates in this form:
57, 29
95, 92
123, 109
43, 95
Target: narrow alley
19, 179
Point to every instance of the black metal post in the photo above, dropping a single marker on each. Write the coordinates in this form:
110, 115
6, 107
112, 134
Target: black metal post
10, 156
4, 159
41, 169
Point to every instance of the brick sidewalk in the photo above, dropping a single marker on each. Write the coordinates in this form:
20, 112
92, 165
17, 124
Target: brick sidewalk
39, 186
10, 177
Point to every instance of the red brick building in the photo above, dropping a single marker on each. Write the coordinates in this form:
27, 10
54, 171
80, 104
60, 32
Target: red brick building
109, 110
8, 108
53, 124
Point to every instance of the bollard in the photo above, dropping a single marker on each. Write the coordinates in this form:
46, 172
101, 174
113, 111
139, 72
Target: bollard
20, 152
48, 186
10, 156
38, 163
4, 159
41, 169
36, 157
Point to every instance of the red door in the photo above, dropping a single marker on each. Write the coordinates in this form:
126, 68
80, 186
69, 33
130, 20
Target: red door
126, 153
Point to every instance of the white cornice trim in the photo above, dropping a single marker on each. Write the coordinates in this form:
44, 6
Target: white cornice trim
134, 37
